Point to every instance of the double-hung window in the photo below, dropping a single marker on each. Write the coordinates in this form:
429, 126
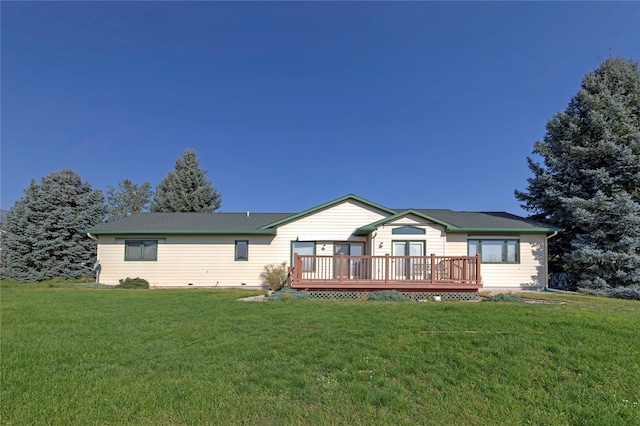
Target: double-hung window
141, 250
495, 251
242, 250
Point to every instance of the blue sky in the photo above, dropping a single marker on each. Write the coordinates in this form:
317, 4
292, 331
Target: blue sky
292, 104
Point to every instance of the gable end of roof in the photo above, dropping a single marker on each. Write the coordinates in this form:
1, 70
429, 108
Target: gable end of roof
349, 197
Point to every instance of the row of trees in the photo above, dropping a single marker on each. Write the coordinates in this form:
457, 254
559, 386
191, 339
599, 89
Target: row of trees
185, 189
42, 238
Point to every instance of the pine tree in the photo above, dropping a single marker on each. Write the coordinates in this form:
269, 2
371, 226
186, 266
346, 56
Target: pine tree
42, 236
129, 198
589, 183
186, 189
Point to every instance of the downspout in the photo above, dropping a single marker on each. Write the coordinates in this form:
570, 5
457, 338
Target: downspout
97, 262
546, 258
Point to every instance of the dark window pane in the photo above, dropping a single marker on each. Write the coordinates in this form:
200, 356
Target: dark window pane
150, 250
132, 251
242, 250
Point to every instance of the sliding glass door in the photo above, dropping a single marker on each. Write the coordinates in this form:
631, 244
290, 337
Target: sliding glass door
351, 268
408, 268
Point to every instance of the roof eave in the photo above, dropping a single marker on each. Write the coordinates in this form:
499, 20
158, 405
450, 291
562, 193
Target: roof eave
184, 232
374, 226
505, 230
365, 230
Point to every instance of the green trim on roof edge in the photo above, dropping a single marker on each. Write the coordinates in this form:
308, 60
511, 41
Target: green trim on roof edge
373, 226
184, 232
326, 205
366, 229
506, 230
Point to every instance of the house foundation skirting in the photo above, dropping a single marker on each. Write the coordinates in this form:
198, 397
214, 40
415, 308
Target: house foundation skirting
415, 296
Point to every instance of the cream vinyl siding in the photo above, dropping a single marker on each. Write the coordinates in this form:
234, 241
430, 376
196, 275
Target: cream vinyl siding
528, 273
336, 223
434, 236
208, 260
200, 260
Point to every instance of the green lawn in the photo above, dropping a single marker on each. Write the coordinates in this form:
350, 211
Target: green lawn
104, 356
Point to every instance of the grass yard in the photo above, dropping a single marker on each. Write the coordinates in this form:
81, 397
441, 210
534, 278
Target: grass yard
103, 356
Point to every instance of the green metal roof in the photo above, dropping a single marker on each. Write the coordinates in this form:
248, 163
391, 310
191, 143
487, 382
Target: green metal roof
488, 222
190, 223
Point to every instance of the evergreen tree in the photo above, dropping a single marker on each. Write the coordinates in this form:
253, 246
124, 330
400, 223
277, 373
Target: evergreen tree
186, 189
129, 198
589, 183
42, 236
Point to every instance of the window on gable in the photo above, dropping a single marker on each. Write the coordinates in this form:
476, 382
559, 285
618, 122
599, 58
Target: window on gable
242, 250
408, 230
496, 251
141, 250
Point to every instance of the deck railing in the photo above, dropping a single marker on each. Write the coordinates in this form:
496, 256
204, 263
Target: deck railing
386, 269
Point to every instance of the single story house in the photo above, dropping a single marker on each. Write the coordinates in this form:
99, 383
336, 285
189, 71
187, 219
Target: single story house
346, 244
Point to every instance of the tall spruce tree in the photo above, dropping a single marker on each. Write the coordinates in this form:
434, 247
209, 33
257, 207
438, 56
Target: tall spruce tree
589, 183
186, 189
42, 236
129, 198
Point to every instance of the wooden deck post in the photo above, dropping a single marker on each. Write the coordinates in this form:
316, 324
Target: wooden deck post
297, 267
451, 269
433, 268
465, 265
478, 269
341, 267
386, 268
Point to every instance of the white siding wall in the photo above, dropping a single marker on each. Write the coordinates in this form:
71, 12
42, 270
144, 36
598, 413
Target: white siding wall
200, 260
334, 224
208, 260
529, 273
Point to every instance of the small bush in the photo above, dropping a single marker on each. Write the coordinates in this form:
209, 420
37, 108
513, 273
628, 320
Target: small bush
133, 283
503, 298
275, 276
389, 295
289, 294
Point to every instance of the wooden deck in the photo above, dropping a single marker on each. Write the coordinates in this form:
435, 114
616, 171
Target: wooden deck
370, 273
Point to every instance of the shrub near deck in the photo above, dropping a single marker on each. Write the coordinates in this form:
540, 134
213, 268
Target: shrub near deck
94, 356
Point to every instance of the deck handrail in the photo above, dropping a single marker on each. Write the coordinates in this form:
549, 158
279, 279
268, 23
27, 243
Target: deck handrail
387, 269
